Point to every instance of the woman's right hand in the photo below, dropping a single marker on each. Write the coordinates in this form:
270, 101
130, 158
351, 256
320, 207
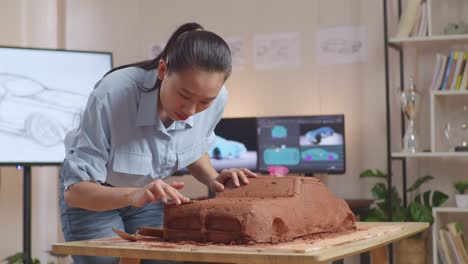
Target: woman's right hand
157, 190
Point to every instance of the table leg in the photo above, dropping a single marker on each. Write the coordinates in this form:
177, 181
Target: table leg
129, 261
379, 255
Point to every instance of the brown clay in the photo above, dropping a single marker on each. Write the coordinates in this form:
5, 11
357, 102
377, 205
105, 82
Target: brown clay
268, 210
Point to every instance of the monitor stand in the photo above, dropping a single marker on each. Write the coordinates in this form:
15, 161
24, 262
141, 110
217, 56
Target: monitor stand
26, 212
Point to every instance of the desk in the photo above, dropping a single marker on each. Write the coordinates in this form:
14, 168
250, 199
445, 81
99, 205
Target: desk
131, 253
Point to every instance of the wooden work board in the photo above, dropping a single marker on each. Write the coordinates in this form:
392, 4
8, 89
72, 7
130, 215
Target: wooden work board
367, 237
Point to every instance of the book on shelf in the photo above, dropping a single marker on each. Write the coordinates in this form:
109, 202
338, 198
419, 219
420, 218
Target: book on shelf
447, 71
409, 18
439, 69
456, 232
452, 70
455, 255
441, 253
417, 25
443, 68
456, 72
461, 72
423, 23
451, 247
447, 254
464, 82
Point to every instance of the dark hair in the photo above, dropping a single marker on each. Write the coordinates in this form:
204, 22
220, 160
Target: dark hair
190, 46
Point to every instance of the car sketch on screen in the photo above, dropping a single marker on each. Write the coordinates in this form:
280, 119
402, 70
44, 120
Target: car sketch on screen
31, 109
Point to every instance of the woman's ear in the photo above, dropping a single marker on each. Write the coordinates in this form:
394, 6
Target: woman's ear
162, 68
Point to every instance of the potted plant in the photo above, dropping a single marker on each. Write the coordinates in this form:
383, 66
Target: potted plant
18, 258
461, 198
419, 209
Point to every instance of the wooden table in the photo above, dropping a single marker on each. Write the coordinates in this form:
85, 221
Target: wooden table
130, 253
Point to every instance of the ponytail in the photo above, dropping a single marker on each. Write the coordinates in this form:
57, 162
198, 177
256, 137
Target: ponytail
189, 47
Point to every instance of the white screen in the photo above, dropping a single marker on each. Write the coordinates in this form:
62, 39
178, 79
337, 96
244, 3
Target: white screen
42, 97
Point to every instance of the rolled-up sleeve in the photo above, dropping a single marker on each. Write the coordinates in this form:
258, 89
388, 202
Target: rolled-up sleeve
89, 153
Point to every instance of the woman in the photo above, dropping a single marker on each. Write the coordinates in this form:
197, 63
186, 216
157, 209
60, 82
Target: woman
142, 122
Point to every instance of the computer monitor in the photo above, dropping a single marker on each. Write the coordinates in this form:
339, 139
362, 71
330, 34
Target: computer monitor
235, 144
42, 95
303, 144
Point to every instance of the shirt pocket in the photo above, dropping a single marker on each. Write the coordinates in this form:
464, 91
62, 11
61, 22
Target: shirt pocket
190, 155
132, 163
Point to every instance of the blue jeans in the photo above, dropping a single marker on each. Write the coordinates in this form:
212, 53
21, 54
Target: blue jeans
81, 224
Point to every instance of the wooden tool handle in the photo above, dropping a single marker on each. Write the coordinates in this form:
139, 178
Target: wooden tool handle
150, 231
124, 235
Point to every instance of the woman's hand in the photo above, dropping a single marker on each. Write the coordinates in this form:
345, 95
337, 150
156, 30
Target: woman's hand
157, 190
238, 176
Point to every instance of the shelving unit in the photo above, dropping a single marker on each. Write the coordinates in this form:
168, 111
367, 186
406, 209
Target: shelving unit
426, 42
441, 103
404, 155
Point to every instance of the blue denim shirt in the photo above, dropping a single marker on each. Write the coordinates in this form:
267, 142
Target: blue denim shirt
122, 141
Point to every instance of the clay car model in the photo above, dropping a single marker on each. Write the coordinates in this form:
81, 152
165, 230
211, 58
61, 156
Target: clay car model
28, 108
268, 210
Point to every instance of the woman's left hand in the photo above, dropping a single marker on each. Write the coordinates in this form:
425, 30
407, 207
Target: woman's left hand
238, 176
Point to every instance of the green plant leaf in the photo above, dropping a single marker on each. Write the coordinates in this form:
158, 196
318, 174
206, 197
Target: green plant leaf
372, 174
379, 191
376, 215
396, 200
425, 200
420, 213
438, 198
461, 186
420, 182
382, 205
400, 214
18, 257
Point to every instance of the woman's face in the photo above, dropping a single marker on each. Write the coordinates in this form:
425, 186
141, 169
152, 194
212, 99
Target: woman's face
186, 93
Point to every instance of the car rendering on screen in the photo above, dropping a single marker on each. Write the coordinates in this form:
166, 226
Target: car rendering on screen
281, 156
318, 154
316, 136
30, 109
279, 132
267, 210
226, 149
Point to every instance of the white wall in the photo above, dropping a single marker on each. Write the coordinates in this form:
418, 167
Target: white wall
30, 24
